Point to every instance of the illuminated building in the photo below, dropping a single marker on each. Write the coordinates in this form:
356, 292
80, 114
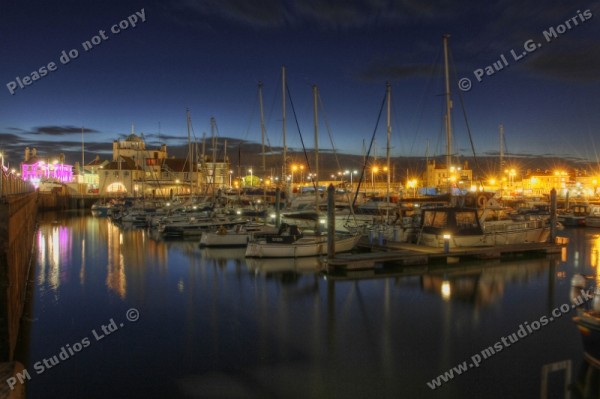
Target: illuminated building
37, 169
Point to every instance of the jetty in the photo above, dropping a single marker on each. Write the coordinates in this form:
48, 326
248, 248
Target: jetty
404, 254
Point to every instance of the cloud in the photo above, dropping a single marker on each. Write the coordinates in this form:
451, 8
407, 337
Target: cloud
59, 130
573, 63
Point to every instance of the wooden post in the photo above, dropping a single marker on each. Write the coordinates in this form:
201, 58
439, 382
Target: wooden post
330, 221
553, 215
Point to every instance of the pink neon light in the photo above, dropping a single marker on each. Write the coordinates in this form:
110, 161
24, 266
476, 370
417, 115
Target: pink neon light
41, 170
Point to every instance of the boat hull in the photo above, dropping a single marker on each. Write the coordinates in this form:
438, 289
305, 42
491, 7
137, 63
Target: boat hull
306, 246
486, 239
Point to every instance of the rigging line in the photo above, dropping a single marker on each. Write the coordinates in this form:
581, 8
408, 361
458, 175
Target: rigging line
271, 110
362, 172
433, 71
287, 87
506, 148
326, 121
335, 154
464, 112
251, 117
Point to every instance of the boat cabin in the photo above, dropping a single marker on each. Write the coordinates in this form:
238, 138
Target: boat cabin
450, 220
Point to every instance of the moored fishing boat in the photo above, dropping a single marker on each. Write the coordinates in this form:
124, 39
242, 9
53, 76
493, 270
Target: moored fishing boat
102, 208
461, 227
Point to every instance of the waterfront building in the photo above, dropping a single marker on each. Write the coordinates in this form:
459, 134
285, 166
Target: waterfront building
138, 171
37, 169
441, 177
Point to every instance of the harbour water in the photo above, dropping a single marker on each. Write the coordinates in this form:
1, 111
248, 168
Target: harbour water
118, 313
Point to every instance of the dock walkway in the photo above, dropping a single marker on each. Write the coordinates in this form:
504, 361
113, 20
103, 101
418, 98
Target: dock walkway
398, 253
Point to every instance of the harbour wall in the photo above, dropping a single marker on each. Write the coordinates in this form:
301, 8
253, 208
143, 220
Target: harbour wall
18, 214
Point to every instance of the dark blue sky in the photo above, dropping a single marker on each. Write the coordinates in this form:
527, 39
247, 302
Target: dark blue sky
209, 55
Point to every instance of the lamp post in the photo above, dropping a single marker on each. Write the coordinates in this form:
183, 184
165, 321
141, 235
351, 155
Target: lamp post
251, 177
230, 176
374, 171
294, 168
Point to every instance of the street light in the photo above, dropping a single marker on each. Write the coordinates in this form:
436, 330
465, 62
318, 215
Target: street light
251, 177
413, 184
230, 176
347, 172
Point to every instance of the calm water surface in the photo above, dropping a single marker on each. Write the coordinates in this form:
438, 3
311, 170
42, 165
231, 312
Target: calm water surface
212, 324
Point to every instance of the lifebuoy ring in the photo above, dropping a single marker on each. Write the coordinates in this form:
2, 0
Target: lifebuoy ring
481, 201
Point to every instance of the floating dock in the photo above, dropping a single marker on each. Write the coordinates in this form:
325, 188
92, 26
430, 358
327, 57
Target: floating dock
402, 254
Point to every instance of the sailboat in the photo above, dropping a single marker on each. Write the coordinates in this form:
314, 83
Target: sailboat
459, 226
290, 242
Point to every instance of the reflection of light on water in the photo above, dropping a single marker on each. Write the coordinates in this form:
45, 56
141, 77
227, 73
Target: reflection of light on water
54, 246
445, 290
82, 271
115, 278
576, 259
41, 258
594, 250
180, 286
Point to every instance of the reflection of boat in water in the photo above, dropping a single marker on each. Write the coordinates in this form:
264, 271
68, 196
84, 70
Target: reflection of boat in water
587, 321
588, 317
482, 283
223, 253
271, 266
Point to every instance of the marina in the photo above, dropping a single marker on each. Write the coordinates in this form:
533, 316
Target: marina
300, 200
234, 326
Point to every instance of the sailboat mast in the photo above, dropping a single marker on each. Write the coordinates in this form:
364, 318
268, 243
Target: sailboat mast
187, 111
388, 90
501, 133
448, 119
262, 135
283, 89
82, 156
213, 125
204, 178
262, 127
316, 117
